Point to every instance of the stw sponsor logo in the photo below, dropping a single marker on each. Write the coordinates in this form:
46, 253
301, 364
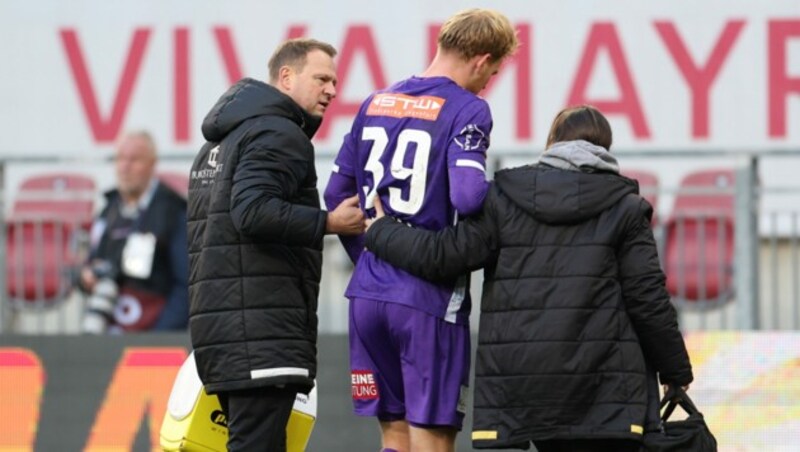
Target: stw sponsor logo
403, 106
363, 385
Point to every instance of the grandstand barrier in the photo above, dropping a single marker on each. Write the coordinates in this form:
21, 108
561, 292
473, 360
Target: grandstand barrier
43, 256
50, 216
699, 239
733, 266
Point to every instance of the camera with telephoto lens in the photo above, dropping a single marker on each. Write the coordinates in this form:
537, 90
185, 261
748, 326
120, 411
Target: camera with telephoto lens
101, 301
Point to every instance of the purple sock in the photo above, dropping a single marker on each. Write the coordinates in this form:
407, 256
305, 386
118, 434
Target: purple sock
388, 450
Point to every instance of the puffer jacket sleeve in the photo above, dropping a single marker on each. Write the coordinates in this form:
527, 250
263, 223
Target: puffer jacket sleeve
270, 172
437, 255
647, 301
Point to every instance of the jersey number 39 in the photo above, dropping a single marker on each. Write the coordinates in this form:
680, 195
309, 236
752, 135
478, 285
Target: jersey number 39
416, 175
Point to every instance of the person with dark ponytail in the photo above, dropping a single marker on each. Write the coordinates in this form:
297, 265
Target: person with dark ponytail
575, 311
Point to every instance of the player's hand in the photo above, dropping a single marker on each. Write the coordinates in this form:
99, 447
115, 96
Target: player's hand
379, 213
346, 219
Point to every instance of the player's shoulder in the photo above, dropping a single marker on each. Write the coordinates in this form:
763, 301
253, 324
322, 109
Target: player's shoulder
471, 108
461, 98
476, 102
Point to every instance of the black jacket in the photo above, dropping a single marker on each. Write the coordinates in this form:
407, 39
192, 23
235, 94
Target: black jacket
255, 242
573, 302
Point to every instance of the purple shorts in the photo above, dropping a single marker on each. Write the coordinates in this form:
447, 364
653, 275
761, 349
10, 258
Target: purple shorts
407, 364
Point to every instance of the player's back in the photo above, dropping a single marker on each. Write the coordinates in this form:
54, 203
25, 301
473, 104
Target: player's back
405, 133
401, 146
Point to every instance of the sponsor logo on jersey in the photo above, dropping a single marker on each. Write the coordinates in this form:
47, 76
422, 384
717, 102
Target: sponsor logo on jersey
363, 385
404, 106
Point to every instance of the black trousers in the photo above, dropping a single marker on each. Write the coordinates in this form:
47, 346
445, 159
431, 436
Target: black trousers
257, 418
588, 445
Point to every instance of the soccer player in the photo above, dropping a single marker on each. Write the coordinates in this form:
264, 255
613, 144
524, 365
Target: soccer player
420, 145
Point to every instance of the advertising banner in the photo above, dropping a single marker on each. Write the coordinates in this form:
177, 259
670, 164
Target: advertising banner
670, 75
86, 393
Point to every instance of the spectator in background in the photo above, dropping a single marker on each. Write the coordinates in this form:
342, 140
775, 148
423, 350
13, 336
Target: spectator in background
574, 300
137, 272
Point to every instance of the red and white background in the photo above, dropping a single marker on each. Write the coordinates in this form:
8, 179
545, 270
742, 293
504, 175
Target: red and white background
670, 75
678, 76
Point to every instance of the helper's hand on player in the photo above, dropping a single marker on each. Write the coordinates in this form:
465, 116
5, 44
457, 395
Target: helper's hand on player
346, 219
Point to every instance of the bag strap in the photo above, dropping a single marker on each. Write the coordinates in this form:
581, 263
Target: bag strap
675, 396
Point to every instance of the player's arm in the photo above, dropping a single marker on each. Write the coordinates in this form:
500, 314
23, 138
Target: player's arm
466, 158
342, 185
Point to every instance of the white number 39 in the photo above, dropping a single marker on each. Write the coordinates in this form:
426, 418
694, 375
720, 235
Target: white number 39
416, 175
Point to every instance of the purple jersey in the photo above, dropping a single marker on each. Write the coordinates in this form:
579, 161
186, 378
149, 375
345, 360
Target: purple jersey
421, 146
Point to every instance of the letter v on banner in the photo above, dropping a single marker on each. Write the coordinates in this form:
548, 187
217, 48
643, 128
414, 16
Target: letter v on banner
105, 129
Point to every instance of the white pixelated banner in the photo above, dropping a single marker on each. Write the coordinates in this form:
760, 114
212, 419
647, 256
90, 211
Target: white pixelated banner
669, 75
748, 387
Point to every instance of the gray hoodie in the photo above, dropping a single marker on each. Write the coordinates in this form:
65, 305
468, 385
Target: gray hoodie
579, 155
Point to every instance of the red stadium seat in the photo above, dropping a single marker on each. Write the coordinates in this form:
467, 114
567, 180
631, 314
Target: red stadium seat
46, 215
176, 181
648, 187
57, 194
699, 238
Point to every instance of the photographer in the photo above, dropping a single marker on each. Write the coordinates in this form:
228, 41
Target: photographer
138, 264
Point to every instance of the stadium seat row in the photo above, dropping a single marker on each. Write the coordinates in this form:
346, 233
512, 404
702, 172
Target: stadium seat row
47, 233
51, 215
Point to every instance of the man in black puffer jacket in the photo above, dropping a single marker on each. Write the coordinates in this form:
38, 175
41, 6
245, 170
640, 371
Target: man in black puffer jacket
574, 302
255, 243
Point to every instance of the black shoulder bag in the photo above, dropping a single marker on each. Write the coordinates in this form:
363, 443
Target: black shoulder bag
689, 435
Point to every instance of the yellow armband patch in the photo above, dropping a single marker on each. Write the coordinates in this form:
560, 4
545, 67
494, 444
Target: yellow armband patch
484, 434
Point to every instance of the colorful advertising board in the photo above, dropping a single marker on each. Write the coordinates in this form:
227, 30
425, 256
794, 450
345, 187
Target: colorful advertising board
83, 393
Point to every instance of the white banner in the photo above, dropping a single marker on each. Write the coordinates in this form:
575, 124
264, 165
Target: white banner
670, 75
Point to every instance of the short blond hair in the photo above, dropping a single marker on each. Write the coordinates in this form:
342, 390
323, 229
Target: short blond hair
478, 31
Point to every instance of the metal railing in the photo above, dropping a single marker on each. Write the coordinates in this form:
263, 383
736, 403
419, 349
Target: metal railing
757, 286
